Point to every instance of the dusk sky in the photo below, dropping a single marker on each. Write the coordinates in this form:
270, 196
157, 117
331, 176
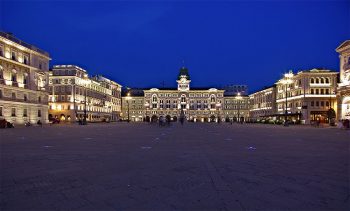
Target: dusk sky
142, 43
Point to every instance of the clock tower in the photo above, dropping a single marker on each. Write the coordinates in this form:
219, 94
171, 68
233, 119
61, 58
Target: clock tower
183, 80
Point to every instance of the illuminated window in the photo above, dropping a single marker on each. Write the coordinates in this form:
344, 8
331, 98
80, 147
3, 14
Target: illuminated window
13, 112
13, 95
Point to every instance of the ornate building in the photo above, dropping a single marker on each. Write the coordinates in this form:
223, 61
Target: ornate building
74, 94
343, 91
262, 103
307, 95
23, 81
197, 104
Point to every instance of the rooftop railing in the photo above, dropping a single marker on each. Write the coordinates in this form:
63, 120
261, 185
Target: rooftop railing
20, 42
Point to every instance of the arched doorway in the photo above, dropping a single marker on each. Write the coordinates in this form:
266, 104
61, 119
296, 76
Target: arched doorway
212, 118
62, 117
147, 119
154, 118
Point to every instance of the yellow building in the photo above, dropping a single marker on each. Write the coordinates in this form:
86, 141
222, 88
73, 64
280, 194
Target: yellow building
73, 94
307, 96
343, 91
23, 81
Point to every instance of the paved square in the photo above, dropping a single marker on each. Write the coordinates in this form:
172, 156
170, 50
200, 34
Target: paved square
199, 166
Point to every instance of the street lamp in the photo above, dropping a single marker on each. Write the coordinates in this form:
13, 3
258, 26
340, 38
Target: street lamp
286, 81
128, 98
238, 98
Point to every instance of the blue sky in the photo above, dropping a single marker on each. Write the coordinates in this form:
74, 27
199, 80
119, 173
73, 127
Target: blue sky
142, 43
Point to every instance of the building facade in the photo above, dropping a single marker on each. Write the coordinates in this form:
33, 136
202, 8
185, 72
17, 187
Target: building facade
262, 104
23, 81
133, 107
196, 104
73, 95
307, 96
236, 107
343, 91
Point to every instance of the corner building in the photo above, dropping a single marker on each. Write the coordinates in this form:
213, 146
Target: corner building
307, 96
343, 90
73, 94
23, 81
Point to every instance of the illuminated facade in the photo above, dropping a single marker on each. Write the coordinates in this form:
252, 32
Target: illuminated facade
262, 103
133, 105
197, 104
310, 94
73, 93
343, 91
23, 81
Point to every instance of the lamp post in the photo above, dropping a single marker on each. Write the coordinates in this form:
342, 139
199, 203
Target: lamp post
238, 98
128, 98
286, 81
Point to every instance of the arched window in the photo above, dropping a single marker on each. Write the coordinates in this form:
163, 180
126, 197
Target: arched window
327, 80
312, 80
154, 98
183, 98
212, 98
322, 80
317, 80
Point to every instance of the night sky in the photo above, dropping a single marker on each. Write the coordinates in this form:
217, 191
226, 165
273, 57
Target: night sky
142, 43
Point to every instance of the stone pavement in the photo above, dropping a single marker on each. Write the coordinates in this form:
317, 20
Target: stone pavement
198, 166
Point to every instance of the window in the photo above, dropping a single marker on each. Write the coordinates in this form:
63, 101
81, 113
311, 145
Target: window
39, 113
312, 103
312, 91
327, 80
327, 91
1, 50
25, 112
40, 66
13, 55
13, 77
0, 93
317, 91
13, 112
322, 91
322, 103
212, 99
317, 103
322, 80
327, 103
13, 95
24, 80
312, 80
25, 59
39, 99
25, 97
0, 111
317, 80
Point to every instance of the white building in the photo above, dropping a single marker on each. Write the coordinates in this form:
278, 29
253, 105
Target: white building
23, 81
